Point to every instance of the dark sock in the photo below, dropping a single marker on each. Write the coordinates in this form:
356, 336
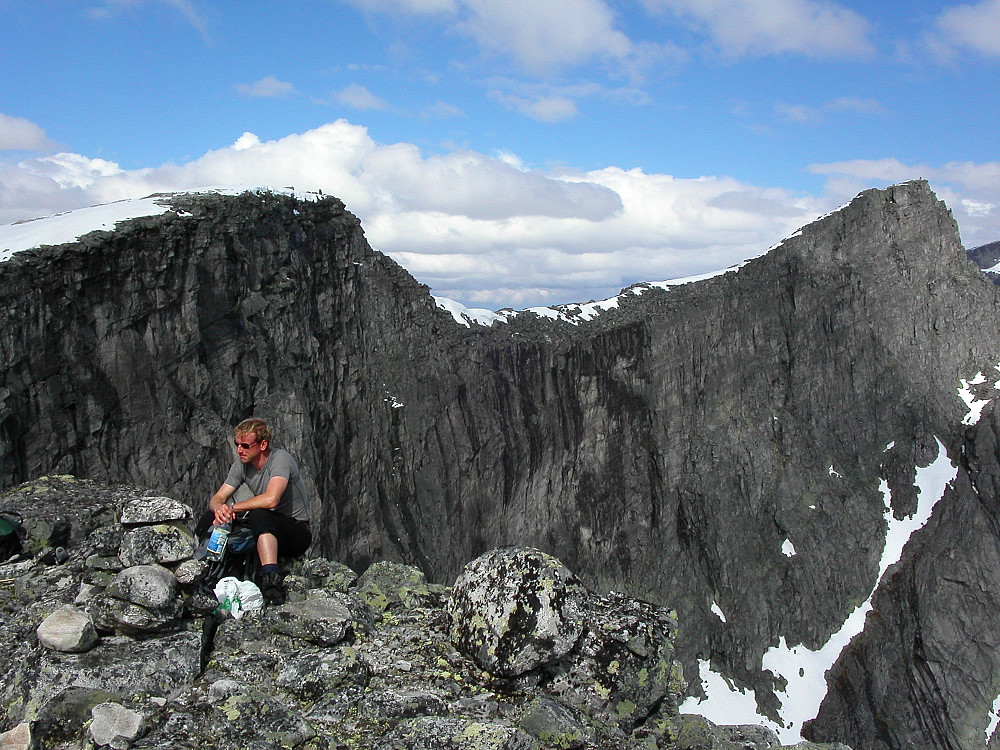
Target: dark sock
266, 569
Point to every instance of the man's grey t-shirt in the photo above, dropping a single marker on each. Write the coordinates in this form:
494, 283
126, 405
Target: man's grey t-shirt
293, 501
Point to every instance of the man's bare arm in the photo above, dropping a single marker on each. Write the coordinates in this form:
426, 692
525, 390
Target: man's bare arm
267, 500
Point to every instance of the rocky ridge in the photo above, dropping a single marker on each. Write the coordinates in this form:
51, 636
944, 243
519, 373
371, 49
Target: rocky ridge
726, 449
517, 655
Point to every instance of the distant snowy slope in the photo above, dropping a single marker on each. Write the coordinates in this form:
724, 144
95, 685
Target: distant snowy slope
70, 226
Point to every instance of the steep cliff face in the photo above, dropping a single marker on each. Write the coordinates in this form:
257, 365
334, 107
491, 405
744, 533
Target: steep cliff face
718, 447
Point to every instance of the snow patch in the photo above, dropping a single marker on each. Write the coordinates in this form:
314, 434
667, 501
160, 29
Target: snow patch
570, 313
787, 549
974, 404
70, 226
994, 718
718, 611
804, 669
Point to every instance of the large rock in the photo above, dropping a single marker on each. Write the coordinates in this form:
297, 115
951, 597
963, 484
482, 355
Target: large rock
154, 510
151, 586
118, 666
325, 621
68, 629
623, 666
514, 609
115, 725
159, 543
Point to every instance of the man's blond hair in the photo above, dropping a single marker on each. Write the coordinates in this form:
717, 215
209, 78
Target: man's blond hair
256, 427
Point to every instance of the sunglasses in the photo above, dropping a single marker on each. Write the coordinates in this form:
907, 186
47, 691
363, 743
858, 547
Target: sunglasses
244, 446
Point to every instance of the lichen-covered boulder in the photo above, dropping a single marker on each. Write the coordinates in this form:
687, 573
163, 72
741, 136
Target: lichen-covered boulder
325, 621
160, 543
153, 510
515, 608
150, 586
227, 715
388, 585
453, 733
119, 667
68, 629
140, 599
555, 725
624, 663
321, 573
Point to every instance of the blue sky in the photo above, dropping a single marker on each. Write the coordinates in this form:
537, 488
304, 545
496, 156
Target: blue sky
512, 152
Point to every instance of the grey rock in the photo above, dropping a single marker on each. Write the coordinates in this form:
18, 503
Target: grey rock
67, 629
513, 609
160, 543
18, 738
555, 725
387, 585
190, 571
623, 666
105, 562
60, 719
154, 510
115, 725
112, 614
325, 621
150, 586
448, 733
117, 668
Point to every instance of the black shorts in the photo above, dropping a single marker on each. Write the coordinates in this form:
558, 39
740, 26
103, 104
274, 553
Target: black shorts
293, 536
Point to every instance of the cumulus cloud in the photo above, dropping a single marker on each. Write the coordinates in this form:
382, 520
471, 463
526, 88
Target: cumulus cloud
972, 27
815, 28
266, 88
19, 134
491, 231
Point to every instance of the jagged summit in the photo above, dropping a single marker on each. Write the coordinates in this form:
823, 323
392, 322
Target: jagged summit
727, 448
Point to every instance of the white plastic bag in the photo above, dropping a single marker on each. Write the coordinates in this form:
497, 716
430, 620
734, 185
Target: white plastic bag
237, 597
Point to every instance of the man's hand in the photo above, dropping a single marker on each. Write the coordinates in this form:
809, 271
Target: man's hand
224, 514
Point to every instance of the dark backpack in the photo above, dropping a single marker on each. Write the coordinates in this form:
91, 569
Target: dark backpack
11, 532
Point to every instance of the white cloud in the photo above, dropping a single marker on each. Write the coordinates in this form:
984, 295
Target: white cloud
539, 36
815, 28
796, 112
543, 36
805, 113
358, 97
19, 134
266, 88
975, 26
491, 230
186, 8
541, 108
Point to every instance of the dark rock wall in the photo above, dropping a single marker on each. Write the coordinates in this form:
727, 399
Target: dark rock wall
667, 448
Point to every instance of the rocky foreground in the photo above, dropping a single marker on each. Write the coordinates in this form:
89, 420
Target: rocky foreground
105, 647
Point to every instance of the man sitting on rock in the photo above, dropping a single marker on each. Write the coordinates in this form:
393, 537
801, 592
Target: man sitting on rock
278, 511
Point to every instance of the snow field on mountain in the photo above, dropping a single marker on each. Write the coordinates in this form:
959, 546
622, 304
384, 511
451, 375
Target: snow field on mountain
804, 669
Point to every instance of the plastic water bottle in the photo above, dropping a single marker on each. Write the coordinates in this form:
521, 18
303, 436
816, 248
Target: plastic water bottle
217, 542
